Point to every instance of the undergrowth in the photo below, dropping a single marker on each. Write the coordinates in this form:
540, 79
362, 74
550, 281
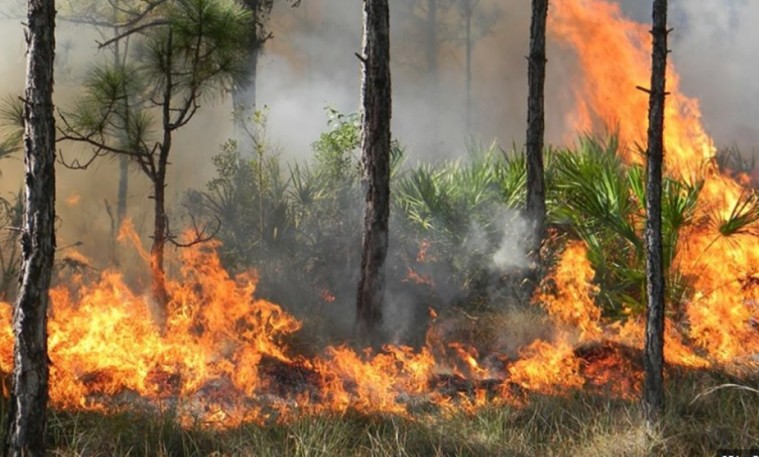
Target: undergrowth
706, 411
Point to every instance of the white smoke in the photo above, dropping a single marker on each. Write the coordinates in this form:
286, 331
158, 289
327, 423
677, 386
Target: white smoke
714, 47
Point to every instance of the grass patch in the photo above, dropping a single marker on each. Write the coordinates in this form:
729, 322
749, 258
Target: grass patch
705, 411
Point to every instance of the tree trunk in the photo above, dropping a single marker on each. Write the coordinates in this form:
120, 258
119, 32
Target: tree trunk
244, 95
123, 185
653, 390
536, 75
26, 426
160, 294
121, 199
432, 44
244, 92
468, 11
432, 50
375, 147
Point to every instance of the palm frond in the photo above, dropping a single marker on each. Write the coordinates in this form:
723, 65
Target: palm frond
743, 216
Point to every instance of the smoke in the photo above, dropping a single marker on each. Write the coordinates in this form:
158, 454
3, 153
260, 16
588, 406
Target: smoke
311, 63
714, 47
511, 254
86, 199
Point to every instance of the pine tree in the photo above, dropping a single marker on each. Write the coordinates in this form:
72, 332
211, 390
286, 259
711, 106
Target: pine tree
536, 75
653, 391
375, 147
27, 421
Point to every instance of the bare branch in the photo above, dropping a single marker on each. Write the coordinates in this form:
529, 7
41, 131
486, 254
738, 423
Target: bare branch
200, 234
76, 164
131, 31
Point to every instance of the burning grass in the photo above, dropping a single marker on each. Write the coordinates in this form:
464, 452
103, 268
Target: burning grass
224, 358
698, 423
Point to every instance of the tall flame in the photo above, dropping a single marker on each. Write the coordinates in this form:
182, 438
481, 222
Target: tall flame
615, 60
614, 54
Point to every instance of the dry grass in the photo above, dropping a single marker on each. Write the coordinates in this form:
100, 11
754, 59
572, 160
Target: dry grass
700, 419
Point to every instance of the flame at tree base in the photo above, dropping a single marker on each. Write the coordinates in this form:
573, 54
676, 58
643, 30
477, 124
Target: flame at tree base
223, 359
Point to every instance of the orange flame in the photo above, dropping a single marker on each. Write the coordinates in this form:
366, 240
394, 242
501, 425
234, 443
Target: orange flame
615, 59
73, 200
614, 53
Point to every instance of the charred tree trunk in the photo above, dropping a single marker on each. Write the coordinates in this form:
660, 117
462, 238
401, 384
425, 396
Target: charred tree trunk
536, 75
375, 147
123, 185
121, 198
160, 237
653, 390
26, 426
160, 219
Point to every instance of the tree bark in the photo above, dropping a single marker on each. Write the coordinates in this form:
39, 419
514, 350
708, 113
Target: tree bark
26, 426
375, 147
160, 219
160, 235
653, 390
536, 75
123, 185
121, 198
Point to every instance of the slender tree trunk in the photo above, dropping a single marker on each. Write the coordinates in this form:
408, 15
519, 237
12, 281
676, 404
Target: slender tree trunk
244, 92
244, 99
160, 294
432, 43
536, 75
123, 186
375, 147
653, 390
121, 198
26, 426
432, 50
469, 9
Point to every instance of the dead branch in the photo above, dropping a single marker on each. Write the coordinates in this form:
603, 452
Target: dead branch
132, 31
200, 234
76, 164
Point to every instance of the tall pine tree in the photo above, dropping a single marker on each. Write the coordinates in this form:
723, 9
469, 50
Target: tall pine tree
27, 421
375, 148
653, 390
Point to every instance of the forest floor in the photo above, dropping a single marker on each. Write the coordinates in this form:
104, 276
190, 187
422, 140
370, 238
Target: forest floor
706, 412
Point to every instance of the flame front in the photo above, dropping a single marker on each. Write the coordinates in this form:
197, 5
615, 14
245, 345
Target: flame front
614, 55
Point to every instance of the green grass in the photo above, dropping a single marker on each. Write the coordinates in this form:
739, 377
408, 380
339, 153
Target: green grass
699, 420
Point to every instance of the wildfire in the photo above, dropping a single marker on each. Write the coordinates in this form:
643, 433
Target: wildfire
615, 58
224, 357
614, 54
